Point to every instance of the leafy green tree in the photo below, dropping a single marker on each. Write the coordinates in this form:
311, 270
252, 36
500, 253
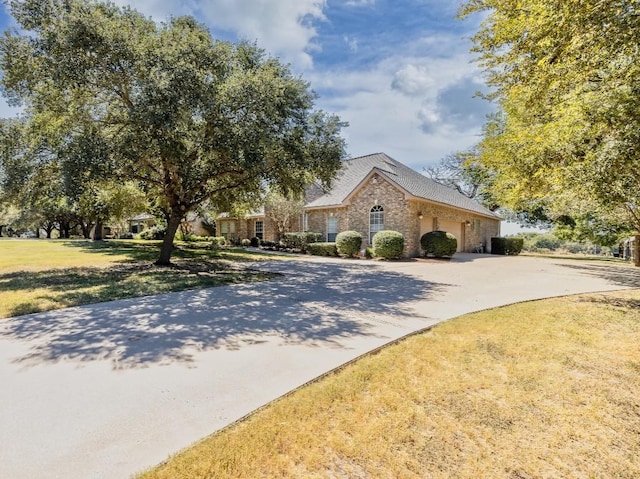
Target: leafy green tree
464, 172
599, 228
282, 211
189, 118
565, 75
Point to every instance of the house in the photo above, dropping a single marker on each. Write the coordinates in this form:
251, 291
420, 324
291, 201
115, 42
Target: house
140, 222
374, 193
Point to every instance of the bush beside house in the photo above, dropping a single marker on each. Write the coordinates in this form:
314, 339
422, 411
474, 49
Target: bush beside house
322, 249
300, 241
349, 243
154, 233
388, 244
506, 246
439, 244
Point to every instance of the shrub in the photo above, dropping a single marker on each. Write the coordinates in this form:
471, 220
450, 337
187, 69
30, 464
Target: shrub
217, 241
368, 253
157, 232
545, 242
508, 246
322, 249
348, 243
246, 242
270, 245
300, 240
190, 237
255, 242
439, 244
388, 244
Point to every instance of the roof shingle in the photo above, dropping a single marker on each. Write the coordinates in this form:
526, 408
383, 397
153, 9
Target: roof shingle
355, 170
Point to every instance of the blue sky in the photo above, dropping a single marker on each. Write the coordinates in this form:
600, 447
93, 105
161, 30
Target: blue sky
400, 72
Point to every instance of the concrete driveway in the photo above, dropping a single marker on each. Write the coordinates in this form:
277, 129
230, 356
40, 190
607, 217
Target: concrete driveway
104, 391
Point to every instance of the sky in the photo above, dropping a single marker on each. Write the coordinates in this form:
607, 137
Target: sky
400, 72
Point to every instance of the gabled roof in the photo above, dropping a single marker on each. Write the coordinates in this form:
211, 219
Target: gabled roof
355, 170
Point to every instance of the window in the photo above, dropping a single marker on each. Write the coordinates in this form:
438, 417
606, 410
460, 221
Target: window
332, 229
376, 221
228, 229
259, 229
305, 222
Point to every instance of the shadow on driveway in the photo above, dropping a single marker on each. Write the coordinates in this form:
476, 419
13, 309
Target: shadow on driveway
315, 303
623, 276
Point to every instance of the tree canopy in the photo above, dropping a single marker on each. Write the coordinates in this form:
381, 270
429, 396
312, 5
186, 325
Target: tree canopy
189, 118
566, 76
464, 172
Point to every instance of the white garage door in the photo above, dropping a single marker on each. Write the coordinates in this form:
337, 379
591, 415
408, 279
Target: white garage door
455, 228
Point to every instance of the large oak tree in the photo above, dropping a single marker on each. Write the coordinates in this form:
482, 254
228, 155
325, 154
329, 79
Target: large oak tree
190, 118
566, 75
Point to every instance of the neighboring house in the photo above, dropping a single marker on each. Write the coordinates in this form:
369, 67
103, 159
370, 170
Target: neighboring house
141, 222
250, 226
374, 193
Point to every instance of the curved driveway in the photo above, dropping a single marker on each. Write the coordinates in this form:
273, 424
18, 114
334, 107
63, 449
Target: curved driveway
104, 391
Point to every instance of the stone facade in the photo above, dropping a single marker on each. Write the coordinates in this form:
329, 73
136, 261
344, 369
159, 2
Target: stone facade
317, 220
402, 212
408, 216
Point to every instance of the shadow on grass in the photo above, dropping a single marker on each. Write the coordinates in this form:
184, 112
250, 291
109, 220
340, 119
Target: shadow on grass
77, 286
623, 276
138, 251
616, 302
315, 304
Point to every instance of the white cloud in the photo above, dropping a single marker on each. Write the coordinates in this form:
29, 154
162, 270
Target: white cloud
161, 10
359, 3
415, 108
351, 42
413, 80
283, 28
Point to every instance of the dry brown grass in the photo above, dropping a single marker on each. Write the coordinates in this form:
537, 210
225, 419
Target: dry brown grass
543, 389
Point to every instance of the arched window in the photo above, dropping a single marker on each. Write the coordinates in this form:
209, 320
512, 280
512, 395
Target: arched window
376, 221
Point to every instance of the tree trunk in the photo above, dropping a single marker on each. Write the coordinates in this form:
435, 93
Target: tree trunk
86, 229
97, 232
636, 251
167, 243
65, 229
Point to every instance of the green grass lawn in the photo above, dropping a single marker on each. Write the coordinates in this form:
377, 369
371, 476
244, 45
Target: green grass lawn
540, 389
40, 275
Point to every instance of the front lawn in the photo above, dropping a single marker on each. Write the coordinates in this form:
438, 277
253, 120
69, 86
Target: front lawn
41, 275
540, 389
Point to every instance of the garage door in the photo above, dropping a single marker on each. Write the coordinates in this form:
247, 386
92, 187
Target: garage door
455, 228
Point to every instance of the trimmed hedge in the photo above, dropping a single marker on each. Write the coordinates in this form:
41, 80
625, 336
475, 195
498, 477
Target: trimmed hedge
439, 244
506, 246
388, 244
348, 243
217, 241
270, 245
300, 240
322, 249
255, 241
157, 232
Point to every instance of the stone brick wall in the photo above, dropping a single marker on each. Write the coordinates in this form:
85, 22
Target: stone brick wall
403, 215
317, 220
378, 191
478, 230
